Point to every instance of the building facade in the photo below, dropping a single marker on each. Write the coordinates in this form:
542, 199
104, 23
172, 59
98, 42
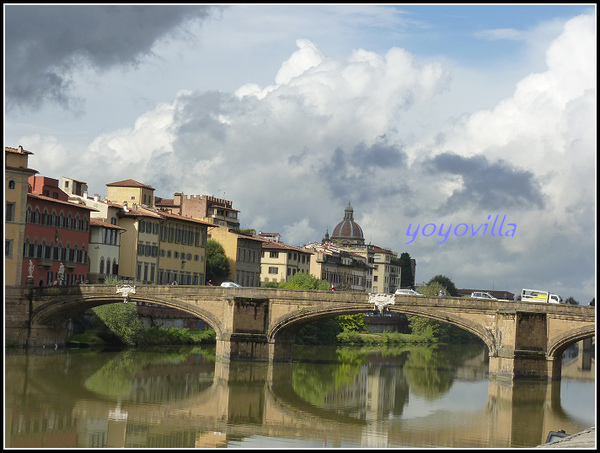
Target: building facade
207, 208
279, 262
105, 242
243, 252
130, 192
16, 183
57, 233
182, 250
345, 270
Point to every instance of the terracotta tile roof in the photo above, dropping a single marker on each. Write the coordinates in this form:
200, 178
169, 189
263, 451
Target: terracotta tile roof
54, 200
129, 183
164, 201
98, 222
280, 246
137, 213
19, 150
170, 215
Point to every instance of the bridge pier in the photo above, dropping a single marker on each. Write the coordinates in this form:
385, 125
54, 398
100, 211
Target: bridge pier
521, 352
245, 333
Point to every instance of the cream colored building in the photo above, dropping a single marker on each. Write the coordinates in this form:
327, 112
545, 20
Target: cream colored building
279, 262
16, 174
386, 271
104, 249
243, 252
346, 270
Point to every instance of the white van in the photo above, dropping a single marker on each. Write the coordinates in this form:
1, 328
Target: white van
535, 295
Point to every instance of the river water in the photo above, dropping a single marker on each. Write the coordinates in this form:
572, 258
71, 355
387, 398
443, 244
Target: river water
396, 397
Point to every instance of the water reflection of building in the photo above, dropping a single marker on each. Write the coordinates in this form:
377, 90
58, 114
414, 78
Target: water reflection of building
578, 361
370, 396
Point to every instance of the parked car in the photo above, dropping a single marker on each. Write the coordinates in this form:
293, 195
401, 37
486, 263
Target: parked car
231, 285
481, 295
408, 292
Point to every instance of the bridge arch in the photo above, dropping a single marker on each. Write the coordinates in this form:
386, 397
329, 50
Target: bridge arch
286, 327
557, 346
456, 320
57, 312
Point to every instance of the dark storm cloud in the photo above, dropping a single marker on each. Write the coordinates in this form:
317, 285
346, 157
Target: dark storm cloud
354, 174
44, 45
487, 186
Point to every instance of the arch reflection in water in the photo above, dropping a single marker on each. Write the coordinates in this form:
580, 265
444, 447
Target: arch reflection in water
344, 397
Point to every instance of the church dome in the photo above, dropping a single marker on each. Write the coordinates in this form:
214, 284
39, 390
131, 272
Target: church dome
348, 232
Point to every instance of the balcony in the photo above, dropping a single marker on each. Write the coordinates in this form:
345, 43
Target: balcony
44, 262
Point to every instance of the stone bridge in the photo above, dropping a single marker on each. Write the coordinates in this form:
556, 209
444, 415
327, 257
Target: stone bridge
524, 339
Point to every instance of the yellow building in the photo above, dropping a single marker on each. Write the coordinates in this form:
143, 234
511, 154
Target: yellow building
182, 250
139, 247
243, 252
158, 247
279, 262
16, 174
162, 248
130, 192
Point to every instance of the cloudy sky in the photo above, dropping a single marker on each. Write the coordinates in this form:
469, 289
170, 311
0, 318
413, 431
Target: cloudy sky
418, 115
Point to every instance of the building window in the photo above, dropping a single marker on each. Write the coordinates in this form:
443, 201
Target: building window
274, 254
10, 212
11, 185
272, 270
8, 248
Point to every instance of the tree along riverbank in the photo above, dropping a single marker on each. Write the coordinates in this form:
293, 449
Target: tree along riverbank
178, 336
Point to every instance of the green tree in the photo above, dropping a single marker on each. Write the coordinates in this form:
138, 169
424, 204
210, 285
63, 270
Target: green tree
353, 323
436, 330
432, 289
571, 301
122, 320
300, 280
447, 283
407, 279
217, 264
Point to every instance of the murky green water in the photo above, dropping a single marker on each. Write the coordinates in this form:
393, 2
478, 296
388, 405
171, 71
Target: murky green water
328, 397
